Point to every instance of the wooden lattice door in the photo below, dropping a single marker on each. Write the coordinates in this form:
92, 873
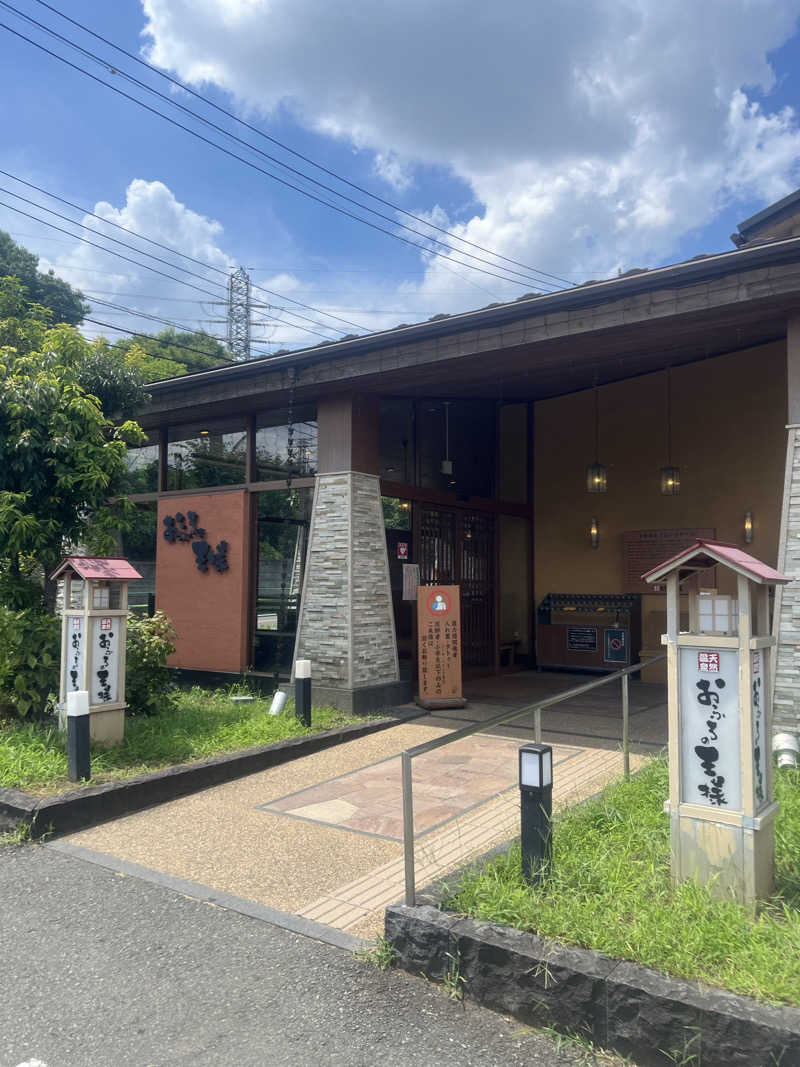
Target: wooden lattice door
457, 548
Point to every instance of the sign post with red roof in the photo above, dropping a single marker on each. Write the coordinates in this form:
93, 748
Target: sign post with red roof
93, 635
721, 802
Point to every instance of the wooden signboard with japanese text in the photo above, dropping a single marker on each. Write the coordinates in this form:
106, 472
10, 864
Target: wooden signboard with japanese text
439, 646
645, 549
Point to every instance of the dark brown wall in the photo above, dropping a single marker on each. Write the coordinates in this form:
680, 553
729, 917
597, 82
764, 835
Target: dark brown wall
348, 427
209, 610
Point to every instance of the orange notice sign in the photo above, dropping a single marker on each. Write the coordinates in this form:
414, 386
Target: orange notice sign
439, 646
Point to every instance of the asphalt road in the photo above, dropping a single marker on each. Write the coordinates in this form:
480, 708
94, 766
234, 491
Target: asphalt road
101, 970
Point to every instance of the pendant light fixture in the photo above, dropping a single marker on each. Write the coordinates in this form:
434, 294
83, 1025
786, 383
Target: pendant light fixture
670, 476
597, 472
447, 463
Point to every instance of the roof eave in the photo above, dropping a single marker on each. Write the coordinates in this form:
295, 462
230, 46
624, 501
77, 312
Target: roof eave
681, 273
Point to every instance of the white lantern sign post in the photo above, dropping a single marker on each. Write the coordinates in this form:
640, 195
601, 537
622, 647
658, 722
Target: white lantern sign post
93, 639
721, 805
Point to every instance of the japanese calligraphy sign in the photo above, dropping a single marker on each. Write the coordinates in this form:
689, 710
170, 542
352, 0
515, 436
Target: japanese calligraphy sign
439, 642
180, 527
710, 742
104, 681
760, 742
74, 655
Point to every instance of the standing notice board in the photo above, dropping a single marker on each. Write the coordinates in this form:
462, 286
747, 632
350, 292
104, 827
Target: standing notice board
439, 646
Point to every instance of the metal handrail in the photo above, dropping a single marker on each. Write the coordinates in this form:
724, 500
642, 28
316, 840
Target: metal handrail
428, 746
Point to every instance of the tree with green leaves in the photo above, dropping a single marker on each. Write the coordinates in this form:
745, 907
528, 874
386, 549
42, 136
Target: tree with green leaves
61, 456
172, 353
62, 461
66, 304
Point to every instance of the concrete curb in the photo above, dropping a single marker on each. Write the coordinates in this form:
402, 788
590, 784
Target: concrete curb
296, 923
67, 812
622, 1006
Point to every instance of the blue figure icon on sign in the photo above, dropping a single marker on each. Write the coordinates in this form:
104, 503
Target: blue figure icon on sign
439, 603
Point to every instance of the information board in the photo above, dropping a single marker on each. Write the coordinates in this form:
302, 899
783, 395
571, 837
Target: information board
645, 549
581, 638
439, 643
410, 580
615, 644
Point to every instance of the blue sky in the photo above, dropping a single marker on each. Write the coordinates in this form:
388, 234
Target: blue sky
581, 141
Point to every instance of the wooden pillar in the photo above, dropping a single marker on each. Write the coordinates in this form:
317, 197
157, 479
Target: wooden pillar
348, 428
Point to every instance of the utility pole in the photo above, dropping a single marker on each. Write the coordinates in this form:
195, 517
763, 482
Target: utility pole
239, 314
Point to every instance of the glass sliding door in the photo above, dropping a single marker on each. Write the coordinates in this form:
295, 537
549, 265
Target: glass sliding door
282, 539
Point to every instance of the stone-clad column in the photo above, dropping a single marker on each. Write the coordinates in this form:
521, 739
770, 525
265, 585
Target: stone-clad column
346, 622
786, 621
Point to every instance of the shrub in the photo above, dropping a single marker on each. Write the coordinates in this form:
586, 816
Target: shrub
29, 659
147, 681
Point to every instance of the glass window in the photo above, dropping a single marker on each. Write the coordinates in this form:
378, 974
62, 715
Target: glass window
396, 513
397, 440
272, 444
141, 474
512, 435
457, 446
139, 546
283, 524
204, 454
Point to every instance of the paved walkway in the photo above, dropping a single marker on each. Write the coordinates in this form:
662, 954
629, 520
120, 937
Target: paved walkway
102, 970
321, 837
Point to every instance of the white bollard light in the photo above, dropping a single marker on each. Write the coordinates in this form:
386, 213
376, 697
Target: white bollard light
302, 690
79, 761
278, 703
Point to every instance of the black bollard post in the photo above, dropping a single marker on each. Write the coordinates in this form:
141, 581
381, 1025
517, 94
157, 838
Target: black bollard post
302, 690
536, 810
79, 760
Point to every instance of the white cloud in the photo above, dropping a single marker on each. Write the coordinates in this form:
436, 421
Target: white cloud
151, 210
593, 135
388, 166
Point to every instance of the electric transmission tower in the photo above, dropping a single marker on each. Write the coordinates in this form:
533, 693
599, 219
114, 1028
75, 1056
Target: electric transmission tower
239, 314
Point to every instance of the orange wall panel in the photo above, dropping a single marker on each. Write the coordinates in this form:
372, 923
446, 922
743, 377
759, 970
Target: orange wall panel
208, 609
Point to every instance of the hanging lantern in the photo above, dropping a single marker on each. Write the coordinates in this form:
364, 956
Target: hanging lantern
670, 481
670, 475
596, 478
597, 472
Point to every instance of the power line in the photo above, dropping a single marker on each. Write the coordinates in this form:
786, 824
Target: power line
108, 251
150, 337
146, 266
124, 309
108, 237
249, 163
108, 222
167, 248
298, 155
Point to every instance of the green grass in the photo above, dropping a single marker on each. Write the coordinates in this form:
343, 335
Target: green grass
203, 723
610, 890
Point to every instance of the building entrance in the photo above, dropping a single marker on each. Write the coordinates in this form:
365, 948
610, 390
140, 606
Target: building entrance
457, 547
